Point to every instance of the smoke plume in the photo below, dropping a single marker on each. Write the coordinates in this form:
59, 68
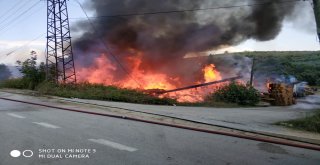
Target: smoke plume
4, 72
163, 40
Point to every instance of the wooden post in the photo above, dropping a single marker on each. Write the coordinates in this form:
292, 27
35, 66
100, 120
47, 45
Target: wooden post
252, 71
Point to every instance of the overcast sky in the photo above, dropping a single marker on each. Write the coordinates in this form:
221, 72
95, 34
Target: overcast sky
298, 33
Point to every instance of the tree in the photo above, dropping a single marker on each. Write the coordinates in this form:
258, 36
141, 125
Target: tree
32, 73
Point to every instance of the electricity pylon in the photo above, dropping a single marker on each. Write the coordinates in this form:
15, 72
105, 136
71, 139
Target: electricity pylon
59, 60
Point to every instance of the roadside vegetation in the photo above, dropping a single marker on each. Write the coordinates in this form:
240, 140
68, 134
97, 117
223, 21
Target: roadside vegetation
236, 93
310, 123
101, 92
33, 74
88, 91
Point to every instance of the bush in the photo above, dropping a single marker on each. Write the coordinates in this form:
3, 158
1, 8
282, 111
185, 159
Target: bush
18, 83
236, 93
101, 92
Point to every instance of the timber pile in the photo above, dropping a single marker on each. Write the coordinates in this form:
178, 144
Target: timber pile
267, 98
282, 95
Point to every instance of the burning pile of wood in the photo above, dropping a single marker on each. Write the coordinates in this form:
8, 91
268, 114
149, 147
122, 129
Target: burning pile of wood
281, 94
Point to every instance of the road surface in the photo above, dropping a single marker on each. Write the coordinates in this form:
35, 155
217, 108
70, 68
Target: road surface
57, 137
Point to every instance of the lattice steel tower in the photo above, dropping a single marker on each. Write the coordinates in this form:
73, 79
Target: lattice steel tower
60, 63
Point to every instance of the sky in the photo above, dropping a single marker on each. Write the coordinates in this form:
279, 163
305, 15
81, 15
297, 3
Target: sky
298, 32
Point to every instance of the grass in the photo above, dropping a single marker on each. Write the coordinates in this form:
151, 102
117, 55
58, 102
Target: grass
16, 83
112, 93
101, 92
106, 93
90, 91
310, 123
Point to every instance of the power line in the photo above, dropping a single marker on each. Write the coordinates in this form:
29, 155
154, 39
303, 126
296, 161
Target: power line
192, 10
15, 19
10, 9
4, 29
107, 48
28, 43
21, 14
12, 12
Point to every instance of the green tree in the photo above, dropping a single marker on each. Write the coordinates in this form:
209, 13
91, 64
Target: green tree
33, 74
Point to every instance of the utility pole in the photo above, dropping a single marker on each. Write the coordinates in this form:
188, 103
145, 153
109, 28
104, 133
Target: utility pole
59, 60
316, 8
252, 71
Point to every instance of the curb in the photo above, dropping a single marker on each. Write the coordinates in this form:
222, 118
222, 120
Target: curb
287, 137
284, 142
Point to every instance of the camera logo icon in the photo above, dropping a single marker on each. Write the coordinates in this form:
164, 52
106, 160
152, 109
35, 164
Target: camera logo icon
17, 153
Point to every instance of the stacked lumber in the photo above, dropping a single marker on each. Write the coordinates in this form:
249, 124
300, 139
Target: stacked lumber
267, 98
282, 94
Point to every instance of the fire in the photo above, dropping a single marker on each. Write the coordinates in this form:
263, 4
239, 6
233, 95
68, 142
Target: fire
103, 72
268, 85
98, 74
142, 79
211, 74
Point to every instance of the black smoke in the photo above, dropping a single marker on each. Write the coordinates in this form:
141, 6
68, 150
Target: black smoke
165, 39
4, 72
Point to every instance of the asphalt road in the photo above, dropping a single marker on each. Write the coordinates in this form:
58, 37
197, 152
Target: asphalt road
57, 137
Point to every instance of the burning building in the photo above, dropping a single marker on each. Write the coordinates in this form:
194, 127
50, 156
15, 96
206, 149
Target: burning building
143, 44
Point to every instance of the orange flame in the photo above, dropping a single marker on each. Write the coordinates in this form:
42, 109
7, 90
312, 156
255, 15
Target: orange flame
103, 70
211, 74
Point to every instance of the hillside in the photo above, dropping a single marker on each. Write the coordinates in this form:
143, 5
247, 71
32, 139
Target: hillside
304, 65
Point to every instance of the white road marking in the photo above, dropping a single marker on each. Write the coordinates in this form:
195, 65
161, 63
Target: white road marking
46, 125
16, 116
113, 145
